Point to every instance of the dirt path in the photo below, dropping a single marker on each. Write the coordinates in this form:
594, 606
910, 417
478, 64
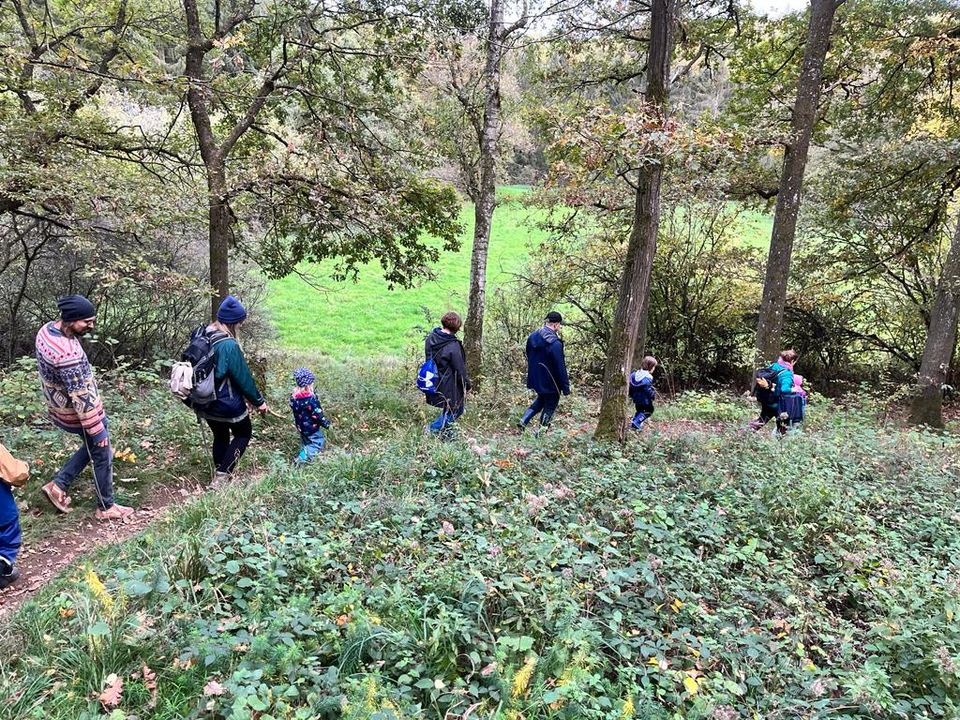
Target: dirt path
79, 534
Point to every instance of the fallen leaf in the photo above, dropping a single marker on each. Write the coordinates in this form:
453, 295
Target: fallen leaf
150, 683
149, 678
110, 697
213, 688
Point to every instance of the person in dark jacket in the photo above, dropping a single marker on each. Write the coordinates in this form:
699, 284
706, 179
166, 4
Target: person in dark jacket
228, 415
546, 371
452, 381
642, 391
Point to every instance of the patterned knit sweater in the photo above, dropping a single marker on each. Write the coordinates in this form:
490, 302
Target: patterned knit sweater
73, 400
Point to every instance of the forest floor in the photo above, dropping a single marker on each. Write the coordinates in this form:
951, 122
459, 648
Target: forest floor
71, 537
694, 572
67, 540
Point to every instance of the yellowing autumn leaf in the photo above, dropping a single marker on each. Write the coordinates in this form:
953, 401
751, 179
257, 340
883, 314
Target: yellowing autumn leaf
691, 685
676, 605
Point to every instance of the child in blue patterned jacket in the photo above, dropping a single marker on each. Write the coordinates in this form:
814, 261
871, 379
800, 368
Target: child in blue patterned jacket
308, 415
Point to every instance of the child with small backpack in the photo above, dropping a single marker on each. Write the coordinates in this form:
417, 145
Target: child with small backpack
308, 415
642, 391
443, 376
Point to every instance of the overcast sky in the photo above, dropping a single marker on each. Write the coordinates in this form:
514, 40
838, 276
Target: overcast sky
776, 8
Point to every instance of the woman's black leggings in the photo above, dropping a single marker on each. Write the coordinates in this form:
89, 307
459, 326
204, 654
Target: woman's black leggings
227, 452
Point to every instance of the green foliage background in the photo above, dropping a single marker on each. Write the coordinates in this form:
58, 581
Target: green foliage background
362, 317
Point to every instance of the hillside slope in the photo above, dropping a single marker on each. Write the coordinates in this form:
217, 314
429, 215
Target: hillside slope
696, 572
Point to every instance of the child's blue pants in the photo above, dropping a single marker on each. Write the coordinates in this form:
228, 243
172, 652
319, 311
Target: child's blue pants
310, 446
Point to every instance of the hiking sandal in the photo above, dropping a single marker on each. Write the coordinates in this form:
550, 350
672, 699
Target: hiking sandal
115, 512
57, 497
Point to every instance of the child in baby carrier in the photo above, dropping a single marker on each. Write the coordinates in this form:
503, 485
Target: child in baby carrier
642, 391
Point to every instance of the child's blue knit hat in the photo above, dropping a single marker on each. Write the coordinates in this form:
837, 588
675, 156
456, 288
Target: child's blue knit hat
303, 377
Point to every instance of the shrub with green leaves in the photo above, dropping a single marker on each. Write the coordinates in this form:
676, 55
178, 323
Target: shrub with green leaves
698, 576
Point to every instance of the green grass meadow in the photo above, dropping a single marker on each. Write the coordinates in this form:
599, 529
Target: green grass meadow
365, 318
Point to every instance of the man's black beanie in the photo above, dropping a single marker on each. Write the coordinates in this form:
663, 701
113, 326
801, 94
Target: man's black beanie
554, 317
75, 307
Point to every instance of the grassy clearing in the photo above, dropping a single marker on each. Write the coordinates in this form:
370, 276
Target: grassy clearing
707, 575
755, 228
367, 319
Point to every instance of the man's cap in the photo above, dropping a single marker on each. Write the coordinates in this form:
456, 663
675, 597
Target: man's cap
75, 307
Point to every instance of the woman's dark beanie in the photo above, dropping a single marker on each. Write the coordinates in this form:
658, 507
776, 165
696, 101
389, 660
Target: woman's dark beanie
231, 311
75, 307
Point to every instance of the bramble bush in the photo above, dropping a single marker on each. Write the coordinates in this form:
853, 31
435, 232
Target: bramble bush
715, 575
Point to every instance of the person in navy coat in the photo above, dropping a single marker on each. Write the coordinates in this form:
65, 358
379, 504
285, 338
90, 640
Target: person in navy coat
546, 371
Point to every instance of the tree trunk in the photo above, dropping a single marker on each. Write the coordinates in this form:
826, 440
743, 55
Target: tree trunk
486, 200
220, 234
927, 405
770, 323
633, 300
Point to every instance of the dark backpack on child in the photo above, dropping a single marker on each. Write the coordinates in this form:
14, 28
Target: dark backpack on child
765, 386
193, 379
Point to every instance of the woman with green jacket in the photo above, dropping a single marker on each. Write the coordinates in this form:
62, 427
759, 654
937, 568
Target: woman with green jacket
228, 416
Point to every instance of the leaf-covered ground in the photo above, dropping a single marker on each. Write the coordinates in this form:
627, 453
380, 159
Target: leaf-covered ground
687, 575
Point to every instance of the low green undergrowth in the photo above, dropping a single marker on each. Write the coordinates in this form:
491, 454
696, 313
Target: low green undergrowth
713, 576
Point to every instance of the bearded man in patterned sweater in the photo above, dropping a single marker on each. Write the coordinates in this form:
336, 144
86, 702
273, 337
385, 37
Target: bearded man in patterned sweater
74, 405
